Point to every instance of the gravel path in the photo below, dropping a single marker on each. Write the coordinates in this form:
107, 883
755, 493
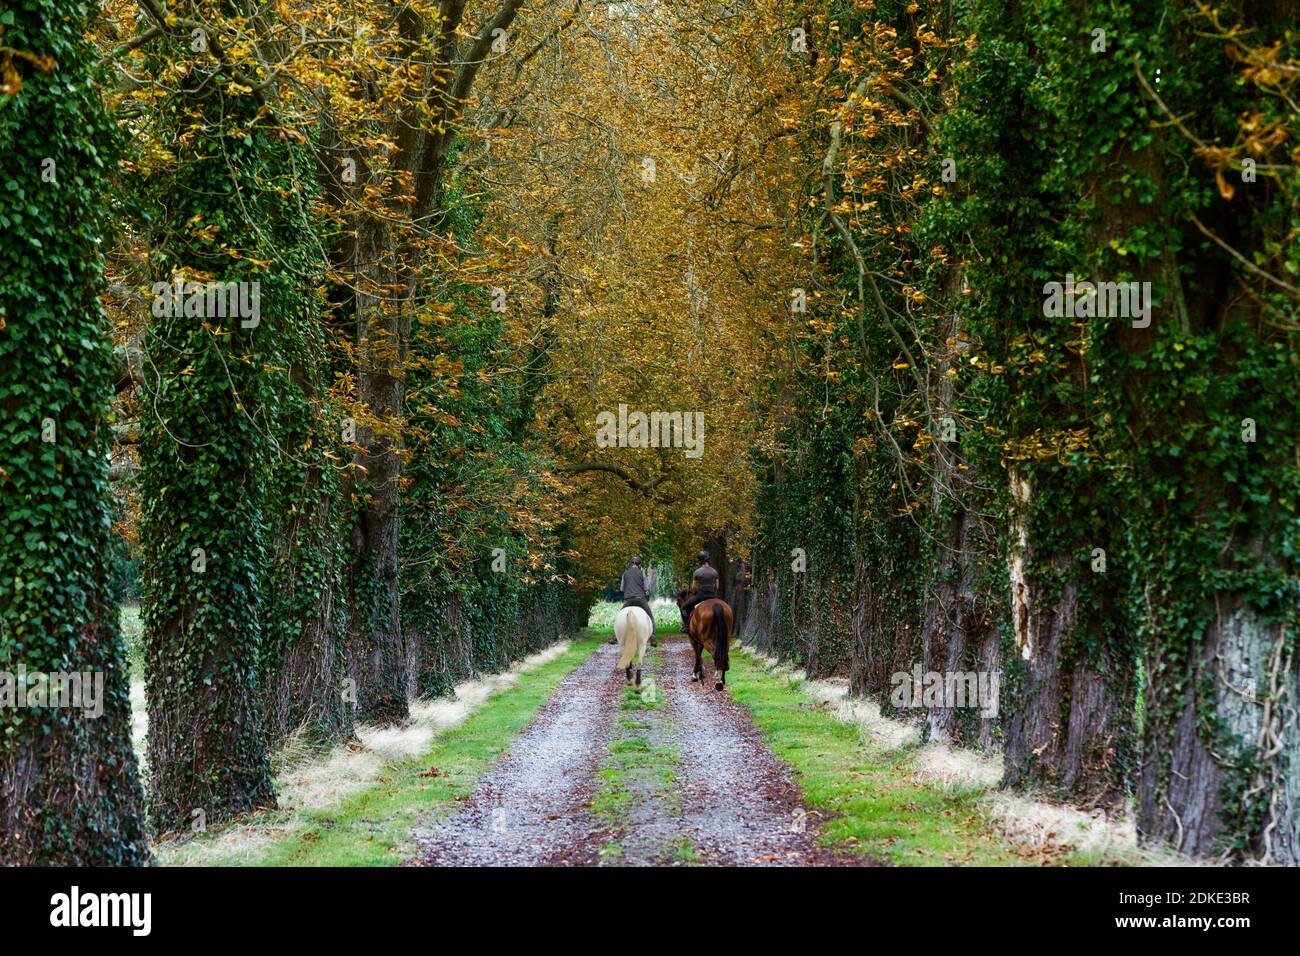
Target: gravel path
529, 809
722, 799
740, 807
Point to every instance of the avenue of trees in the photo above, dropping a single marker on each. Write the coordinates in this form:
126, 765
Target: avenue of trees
451, 233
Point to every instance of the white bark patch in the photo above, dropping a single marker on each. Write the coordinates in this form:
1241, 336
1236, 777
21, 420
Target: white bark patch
1020, 610
1255, 698
1244, 647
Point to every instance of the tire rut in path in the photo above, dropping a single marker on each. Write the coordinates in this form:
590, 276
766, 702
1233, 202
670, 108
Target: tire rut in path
530, 808
739, 805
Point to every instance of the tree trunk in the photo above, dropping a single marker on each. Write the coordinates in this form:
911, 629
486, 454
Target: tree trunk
69, 794
306, 682
959, 630
377, 652
1074, 714
204, 461
1242, 674
959, 620
885, 621
384, 264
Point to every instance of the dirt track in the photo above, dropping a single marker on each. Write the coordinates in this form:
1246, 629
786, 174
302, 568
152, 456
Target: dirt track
711, 791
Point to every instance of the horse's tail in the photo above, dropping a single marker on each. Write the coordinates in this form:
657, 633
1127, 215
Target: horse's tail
720, 636
626, 639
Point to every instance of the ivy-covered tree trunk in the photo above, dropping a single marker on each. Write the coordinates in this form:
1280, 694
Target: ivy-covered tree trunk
382, 283
1070, 689
1221, 593
367, 313
1072, 720
959, 626
959, 630
385, 260
302, 590
204, 447
1207, 545
307, 670
1220, 772
1220, 775
886, 613
376, 647
69, 794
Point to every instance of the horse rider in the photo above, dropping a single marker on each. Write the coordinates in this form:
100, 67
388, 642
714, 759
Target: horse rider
704, 587
636, 593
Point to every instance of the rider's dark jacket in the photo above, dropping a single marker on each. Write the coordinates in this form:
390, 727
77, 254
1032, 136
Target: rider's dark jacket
705, 580
636, 592
633, 584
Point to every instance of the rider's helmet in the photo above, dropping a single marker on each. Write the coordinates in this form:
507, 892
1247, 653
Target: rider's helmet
703, 557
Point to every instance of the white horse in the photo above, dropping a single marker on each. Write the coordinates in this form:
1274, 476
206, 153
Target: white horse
632, 627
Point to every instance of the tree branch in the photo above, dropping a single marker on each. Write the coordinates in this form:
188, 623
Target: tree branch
130, 370
644, 487
479, 51
1242, 259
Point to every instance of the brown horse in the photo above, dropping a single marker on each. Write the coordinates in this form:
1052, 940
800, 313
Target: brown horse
710, 630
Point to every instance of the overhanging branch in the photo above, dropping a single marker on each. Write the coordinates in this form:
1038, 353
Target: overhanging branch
632, 481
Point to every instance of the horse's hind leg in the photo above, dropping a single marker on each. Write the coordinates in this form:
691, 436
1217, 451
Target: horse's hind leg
698, 673
628, 674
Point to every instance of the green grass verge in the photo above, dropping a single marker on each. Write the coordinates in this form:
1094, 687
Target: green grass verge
373, 827
869, 799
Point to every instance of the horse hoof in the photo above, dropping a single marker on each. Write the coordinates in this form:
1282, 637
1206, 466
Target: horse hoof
719, 685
